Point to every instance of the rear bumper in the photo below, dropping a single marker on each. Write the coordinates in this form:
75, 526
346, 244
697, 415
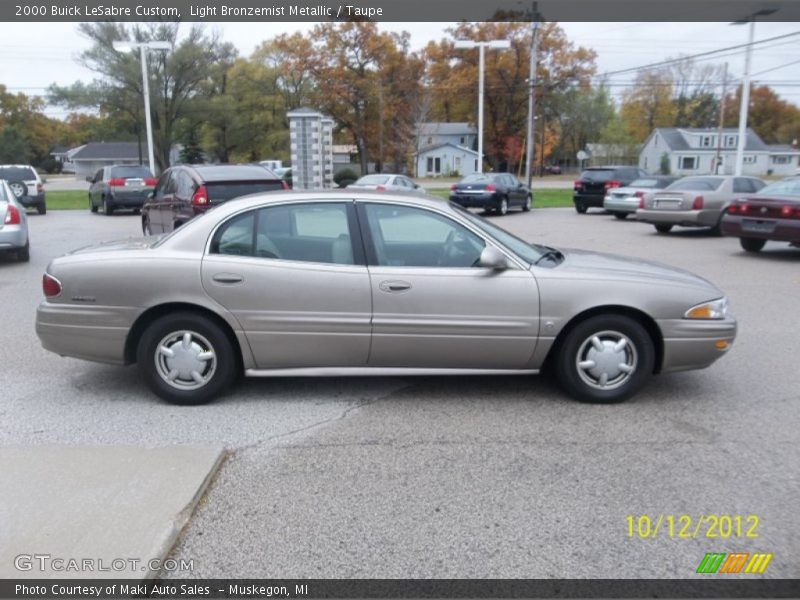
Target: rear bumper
595, 200
686, 218
36, 200
782, 230
13, 237
692, 344
129, 199
475, 200
626, 206
95, 333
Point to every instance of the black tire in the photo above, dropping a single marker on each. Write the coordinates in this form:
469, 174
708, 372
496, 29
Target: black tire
146, 231
205, 337
663, 228
92, 206
752, 244
502, 206
586, 384
526, 206
580, 207
42, 208
24, 254
108, 208
18, 188
621, 215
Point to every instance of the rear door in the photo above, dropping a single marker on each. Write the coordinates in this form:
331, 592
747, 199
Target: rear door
432, 307
296, 282
162, 196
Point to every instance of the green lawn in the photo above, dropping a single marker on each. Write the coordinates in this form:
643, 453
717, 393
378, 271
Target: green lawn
67, 200
541, 198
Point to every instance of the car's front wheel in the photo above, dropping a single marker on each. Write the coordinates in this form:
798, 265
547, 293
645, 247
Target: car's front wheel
186, 358
108, 208
752, 244
605, 359
526, 206
146, 230
580, 207
92, 205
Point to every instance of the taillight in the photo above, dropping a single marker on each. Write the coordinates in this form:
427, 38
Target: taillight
116, 182
641, 201
612, 184
150, 181
39, 188
380, 188
200, 197
50, 286
12, 215
698, 203
490, 187
284, 185
786, 211
452, 187
639, 194
577, 185
732, 209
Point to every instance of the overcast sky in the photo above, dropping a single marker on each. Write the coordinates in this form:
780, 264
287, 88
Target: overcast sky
32, 56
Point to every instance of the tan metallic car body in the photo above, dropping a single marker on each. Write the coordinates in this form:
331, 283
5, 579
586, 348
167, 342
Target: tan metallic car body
456, 295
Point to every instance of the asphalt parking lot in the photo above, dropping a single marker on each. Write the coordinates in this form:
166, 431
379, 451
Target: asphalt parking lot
457, 477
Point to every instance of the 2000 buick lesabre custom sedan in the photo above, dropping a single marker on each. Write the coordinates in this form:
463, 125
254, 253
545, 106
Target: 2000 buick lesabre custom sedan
332, 283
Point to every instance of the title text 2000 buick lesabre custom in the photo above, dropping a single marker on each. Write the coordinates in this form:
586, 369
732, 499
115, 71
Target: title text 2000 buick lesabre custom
286, 284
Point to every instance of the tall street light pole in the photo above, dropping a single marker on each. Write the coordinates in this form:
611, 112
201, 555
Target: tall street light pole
143, 48
481, 46
531, 98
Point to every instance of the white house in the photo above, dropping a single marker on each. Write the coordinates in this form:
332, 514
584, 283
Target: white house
458, 134
446, 160
88, 159
694, 152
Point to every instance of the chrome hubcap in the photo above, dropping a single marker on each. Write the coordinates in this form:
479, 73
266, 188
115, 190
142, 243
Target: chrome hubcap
185, 360
606, 360
504, 207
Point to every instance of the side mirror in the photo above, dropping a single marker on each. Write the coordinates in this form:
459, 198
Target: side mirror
90, 179
492, 258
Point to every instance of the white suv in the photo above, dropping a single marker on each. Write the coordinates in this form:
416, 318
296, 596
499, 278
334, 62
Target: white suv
26, 185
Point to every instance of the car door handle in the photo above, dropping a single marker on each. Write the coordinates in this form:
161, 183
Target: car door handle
228, 278
394, 286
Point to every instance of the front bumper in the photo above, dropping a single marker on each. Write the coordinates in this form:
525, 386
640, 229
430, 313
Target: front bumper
489, 200
779, 230
695, 343
685, 218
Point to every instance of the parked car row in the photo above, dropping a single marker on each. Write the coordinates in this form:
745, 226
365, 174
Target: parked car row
739, 206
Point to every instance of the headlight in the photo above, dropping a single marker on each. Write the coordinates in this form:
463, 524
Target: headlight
716, 309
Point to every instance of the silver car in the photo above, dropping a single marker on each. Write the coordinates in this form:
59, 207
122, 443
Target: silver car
13, 225
623, 201
343, 283
386, 182
695, 201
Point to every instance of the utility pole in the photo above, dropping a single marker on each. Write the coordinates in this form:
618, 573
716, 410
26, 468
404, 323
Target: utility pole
718, 157
531, 94
745, 103
380, 123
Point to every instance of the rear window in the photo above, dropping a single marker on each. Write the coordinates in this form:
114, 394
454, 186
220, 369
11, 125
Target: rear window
598, 174
701, 184
17, 174
475, 177
373, 179
787, 187
650, 183
222, 191
131, 172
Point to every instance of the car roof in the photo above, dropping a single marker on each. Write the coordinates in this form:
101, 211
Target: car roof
347, 194
212, 173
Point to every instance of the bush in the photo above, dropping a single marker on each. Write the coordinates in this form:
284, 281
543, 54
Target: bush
50, 165
665, 164
345, 177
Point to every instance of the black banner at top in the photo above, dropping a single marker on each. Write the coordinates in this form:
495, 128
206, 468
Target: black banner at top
398, 10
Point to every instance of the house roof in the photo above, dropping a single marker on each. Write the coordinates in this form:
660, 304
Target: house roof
108, 151
446, 129
674, 137
782, 149
59, 150
437, 146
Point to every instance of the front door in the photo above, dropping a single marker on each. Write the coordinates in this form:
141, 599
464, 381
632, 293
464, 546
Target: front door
433, 307
295, 282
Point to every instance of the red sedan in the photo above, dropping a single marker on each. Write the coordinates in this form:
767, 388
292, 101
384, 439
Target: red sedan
774, 214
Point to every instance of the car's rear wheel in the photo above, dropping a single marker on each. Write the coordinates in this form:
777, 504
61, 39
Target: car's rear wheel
663, 228
108, 209
621, 215
92, 205
24, 254
605, 359
752, 244
42, 208
502, 207
580, 207
146, 230
186, 358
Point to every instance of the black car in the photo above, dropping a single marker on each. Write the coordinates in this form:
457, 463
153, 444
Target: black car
26, 185
594, 183
120, 186
491, 191
185, 191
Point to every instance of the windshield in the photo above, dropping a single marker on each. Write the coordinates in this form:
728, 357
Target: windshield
528, 252
697, 184
787, 187
131, 172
